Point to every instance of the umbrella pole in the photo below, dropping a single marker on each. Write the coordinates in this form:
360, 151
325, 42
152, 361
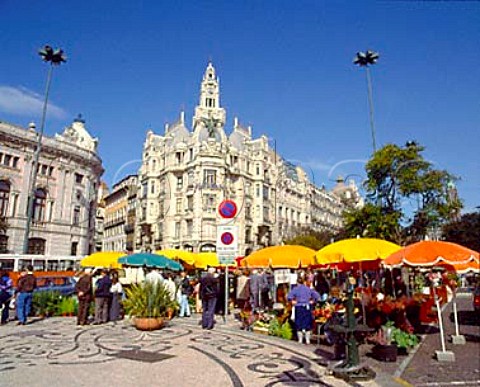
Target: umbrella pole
442, 355
458, 339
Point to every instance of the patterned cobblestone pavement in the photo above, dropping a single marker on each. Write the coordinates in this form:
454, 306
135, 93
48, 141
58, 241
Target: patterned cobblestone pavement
55, 352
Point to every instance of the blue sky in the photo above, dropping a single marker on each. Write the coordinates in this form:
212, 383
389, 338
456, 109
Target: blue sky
285, 68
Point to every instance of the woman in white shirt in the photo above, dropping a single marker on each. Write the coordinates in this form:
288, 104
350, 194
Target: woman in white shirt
116, 301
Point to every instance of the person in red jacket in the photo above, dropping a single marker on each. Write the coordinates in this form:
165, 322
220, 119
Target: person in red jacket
26, 285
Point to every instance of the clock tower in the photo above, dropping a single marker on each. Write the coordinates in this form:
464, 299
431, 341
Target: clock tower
209, 114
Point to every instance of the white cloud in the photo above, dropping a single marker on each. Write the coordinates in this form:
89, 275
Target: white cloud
313, 164
24, 102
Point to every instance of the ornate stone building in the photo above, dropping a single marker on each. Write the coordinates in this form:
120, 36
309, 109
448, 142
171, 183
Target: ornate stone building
185, 175
69, 170
119, 223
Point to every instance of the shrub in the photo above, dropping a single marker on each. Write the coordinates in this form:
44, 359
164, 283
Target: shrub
148, 300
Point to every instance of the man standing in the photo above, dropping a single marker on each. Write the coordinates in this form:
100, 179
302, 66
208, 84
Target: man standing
186, 290
102, 297
84, 293
26, 284
209, 294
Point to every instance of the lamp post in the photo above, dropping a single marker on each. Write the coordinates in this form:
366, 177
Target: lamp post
366, 59
55, 58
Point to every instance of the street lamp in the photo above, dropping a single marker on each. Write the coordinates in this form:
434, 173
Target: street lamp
55, 58
366, 59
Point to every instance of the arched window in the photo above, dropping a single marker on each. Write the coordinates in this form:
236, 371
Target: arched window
39, 205
4, 196
36, 246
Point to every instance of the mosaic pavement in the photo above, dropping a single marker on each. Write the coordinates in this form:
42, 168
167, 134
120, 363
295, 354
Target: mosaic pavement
179, 354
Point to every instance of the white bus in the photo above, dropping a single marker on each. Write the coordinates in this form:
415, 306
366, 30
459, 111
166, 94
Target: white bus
41, 263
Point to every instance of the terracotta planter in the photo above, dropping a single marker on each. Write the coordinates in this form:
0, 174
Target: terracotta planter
385, 352
148, 323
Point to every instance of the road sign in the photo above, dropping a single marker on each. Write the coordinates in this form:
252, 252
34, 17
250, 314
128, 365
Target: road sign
227, 244
227, 209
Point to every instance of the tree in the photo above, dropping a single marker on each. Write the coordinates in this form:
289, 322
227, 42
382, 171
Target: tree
406, 196
312, 239
465, 231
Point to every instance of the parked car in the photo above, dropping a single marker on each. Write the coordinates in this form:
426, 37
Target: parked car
476, 299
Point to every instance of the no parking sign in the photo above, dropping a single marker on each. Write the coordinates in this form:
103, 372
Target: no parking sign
227, 244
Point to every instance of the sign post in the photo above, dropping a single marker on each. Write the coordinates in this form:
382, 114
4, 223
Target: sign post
227, 250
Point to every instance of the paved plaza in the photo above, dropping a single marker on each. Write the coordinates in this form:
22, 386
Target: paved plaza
55, 352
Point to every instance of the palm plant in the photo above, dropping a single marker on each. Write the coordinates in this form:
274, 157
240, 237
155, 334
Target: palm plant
148, 300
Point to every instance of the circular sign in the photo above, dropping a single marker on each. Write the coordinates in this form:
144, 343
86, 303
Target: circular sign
227, 238
227, 209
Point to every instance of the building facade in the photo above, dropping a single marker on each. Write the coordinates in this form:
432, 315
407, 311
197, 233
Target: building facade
186, 174
69, 171
119, 224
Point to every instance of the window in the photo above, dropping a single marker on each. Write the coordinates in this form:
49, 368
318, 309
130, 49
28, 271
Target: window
190, 203
4, 196
50, 171
179, 182
248, 210
3, 247
177, 230
6, 160
189, 227
44, 169
78, 178
257, 170
179, 206
179, 157
39, 205
190, 178
76, 216
209, 203
15, 162
74, 248
257, 189
152, 187
209, 178
144, 190
190, 151
248, 232
265, 192
36, 246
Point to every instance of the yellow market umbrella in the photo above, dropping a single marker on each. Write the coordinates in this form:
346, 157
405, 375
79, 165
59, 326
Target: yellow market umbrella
202, 260
107, 259
355, 250
287, 256
183, 255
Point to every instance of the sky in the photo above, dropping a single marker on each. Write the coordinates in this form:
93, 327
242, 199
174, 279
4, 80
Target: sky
285, 68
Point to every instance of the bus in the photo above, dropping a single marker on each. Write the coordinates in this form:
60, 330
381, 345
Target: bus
43, 265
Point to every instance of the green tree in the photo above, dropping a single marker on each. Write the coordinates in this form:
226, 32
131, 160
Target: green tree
464, 231
312, 239
405, 196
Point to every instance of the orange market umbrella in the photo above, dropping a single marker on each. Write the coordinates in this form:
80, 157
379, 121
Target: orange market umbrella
433, 253
287, 256
355, 250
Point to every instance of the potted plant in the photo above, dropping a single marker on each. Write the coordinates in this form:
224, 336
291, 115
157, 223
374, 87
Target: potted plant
404, 340
384, 348
148, 303
66, 307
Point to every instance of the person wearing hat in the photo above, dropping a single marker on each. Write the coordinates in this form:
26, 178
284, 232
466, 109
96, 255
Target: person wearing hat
85, 294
